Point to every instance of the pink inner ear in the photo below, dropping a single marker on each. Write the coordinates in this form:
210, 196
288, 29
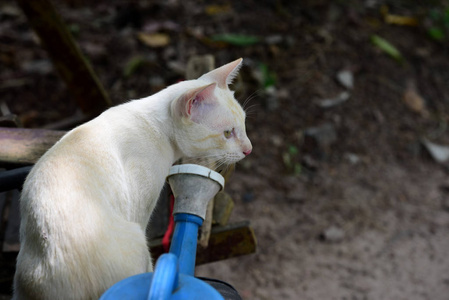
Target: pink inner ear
196, 98
190, 104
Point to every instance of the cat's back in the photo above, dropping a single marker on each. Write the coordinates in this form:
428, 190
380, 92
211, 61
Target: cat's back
60, 178
80, 149
66, 219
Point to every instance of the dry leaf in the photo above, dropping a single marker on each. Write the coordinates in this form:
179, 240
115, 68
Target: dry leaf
396, 19
154, 40
401, 20
218, 9
414, 101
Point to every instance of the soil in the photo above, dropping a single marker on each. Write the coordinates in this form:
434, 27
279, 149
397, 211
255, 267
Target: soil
345, 201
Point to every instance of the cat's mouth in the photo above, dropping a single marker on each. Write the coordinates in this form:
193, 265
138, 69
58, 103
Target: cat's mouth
233, 158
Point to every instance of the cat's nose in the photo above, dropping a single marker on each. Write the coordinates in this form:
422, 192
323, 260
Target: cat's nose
247, 147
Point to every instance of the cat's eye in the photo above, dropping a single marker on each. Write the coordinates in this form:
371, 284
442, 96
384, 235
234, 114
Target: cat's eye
228, 133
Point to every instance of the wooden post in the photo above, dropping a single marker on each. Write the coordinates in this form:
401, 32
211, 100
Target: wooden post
223, 206
25, 146
66, 56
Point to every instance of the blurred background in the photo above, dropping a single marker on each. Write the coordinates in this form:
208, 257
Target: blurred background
347, 187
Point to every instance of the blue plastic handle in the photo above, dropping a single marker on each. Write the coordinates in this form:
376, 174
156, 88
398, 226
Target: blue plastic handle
165, 278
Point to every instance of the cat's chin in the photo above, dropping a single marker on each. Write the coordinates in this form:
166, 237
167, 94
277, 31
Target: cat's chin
233, 159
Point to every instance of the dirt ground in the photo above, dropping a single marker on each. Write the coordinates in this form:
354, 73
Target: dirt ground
345, 200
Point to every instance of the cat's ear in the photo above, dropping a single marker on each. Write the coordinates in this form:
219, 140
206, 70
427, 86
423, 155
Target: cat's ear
224, 75
193, 103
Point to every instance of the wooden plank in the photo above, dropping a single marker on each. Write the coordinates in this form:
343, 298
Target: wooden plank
66, 56
225, 242
26, 146
228, 242
222, 209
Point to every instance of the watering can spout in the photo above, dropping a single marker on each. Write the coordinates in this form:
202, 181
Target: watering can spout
193, 186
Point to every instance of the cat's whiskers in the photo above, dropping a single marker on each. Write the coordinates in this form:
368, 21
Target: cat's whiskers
225, 169
250, 98
212, 161
249, 110
206, 160
219, 163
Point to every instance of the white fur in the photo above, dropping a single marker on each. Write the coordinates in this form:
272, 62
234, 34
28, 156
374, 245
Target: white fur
86, 203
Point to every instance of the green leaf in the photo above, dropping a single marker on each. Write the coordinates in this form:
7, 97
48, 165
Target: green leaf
133, 64
290, 159
298, 169
286, 158
74, 29
436, 33
292, 150
236, 39
268, 77
446, 17
387, 47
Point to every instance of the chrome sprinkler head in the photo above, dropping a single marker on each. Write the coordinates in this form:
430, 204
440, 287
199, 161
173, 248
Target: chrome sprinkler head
193, 186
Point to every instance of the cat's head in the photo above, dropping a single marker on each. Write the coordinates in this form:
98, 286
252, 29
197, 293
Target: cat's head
211, 123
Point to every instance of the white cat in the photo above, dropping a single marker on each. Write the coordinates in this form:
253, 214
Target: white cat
86, 203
